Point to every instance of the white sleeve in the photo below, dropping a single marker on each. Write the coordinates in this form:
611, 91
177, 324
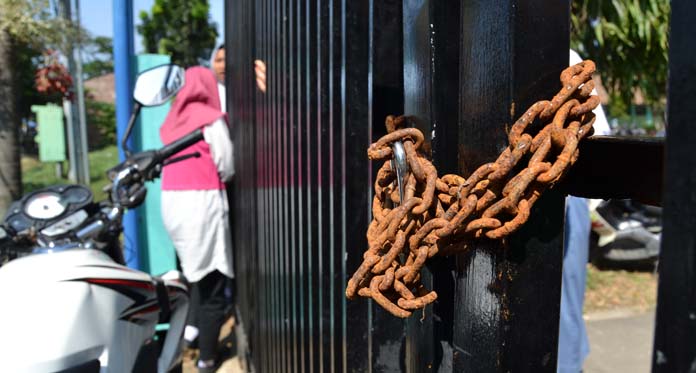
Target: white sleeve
217, 135
601, 125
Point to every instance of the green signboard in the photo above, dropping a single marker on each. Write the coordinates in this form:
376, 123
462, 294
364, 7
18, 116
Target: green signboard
50, 132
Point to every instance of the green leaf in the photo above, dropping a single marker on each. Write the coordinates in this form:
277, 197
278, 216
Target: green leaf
629, 41
181, 29
599, 33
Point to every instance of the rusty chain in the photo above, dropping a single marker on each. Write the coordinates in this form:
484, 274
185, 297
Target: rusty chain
490, 203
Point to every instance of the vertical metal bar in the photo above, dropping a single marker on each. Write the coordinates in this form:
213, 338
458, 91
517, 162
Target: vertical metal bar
340, 235
419, 56
282, 177
304, 298
381, 24
349, 20
320, 188
369, 190
370, 81
324, 76
674, 349
241, 14
292, 125
311, 267
263, 348
511, 54
431, 55
266, 273
282, 241
277, 76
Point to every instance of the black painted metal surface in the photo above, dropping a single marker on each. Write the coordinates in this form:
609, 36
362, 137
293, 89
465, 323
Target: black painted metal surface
617, 167
301, 195
675, 330
511, 55
431, 87
239, 78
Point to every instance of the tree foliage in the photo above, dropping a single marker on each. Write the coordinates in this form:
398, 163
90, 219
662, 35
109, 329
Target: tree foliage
101, 117
628, 39
39, 36
37, 22
27, 28
179, 28
98, 57
27, 58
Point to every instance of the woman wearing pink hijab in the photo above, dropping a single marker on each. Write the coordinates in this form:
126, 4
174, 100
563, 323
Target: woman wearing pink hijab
194, 203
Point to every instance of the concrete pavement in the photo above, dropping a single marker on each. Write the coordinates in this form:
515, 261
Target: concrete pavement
620, 342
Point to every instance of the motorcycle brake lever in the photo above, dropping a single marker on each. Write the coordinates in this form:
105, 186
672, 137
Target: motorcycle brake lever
155, 171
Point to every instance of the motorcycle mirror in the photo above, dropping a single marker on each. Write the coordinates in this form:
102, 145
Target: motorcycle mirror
153, 87
158, 84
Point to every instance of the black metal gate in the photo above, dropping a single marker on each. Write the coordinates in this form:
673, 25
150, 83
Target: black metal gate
463, 71
302, 191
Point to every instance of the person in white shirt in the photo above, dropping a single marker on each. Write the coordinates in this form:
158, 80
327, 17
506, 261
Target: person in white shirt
573, 345
194, 203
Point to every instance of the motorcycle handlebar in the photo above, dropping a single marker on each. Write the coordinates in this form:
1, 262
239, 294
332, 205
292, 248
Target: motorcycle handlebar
180, 144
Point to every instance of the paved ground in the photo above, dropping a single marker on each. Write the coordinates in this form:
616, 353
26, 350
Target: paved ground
232, 363
620, 342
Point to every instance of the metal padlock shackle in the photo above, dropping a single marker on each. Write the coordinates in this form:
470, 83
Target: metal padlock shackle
400, 164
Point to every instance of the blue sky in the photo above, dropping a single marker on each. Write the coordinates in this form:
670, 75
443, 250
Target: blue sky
97, 17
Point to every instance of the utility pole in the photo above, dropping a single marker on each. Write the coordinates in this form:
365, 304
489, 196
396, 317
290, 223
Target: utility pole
83, 152
75, 116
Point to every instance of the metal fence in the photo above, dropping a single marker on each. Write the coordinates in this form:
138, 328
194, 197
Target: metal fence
302, 194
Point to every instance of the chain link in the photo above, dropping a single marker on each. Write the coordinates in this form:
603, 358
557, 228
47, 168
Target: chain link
491, 203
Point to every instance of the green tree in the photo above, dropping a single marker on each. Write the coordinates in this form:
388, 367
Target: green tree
27, 60
628, 40
179, 28
101, 119
26, 27
19, 24
98, 56
10, 176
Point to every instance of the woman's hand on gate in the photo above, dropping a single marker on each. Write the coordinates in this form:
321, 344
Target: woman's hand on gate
260, 71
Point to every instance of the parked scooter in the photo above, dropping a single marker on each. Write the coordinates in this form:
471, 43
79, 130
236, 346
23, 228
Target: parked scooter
69, 304
625, 233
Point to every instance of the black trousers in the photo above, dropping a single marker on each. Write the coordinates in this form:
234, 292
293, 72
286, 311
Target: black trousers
208, 303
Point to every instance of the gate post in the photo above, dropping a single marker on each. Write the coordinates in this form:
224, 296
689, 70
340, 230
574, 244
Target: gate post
508, 296
674, 349
498, 305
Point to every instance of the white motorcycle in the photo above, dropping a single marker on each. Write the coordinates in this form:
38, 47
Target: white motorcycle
68, 302
625, 233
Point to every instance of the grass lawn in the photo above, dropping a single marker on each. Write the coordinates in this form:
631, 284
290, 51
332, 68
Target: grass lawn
36, 175
611, 289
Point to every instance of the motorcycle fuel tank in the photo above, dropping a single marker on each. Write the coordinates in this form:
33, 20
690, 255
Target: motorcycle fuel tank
66, 309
